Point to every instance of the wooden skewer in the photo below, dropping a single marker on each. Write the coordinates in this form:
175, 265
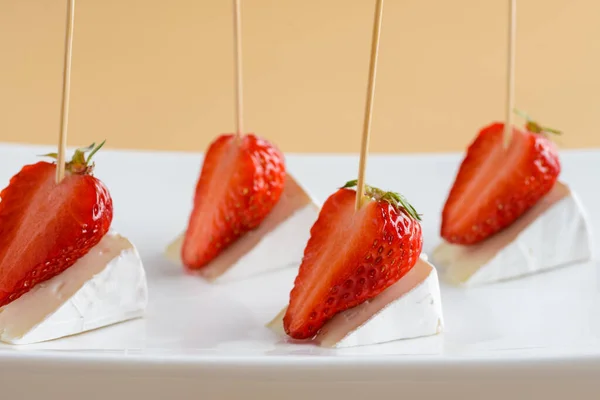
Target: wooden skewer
510, 71
364, 148
237, 44
64, 115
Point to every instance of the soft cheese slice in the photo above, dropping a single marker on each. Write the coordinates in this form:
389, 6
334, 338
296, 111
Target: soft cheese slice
410, 308
552, 234
106, 286
277, 243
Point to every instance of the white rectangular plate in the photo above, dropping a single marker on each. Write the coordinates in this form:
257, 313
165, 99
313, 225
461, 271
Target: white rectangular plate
541, 333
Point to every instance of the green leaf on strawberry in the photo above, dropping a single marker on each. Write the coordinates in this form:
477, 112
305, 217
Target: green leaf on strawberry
79, 164
395, 199
533, 126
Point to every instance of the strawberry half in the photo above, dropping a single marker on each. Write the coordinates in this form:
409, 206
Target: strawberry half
496, 185
352, 256
241, 181
46, 227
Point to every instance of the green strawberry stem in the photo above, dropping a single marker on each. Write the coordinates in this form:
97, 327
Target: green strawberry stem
395, 199
79, 164
533, 126
94, 150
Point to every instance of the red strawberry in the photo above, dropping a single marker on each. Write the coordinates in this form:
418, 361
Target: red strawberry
495, 186
352, 256
240, 183
45, 227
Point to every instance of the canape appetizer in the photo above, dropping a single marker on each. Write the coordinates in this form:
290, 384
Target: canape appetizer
62, 270
362, 280
507, 215
249, 217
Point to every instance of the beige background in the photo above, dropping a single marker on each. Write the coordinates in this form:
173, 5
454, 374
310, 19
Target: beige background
157, 74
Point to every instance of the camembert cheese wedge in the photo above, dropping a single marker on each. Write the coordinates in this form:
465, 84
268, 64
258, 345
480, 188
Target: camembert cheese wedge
552, 234
410, 308
104, 287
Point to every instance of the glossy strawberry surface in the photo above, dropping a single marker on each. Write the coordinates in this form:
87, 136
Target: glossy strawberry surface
46, 227
351, 257
241, 181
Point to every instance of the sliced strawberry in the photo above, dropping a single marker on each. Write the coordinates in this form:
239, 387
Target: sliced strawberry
240, 183
352, 256
496, 185
46, 227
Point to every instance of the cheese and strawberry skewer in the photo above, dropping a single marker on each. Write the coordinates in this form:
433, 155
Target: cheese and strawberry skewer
248, 212
46, 226
506, 215
495, 186
62, 270
362, 279
352, 256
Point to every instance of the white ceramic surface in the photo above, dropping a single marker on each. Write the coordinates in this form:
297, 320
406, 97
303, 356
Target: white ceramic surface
530, 337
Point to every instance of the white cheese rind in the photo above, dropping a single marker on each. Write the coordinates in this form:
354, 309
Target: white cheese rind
417, 313
410, 308
104, 287
558, 235
278, 249
277, 244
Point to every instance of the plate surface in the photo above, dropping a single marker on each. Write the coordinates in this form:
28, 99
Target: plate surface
544, 329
